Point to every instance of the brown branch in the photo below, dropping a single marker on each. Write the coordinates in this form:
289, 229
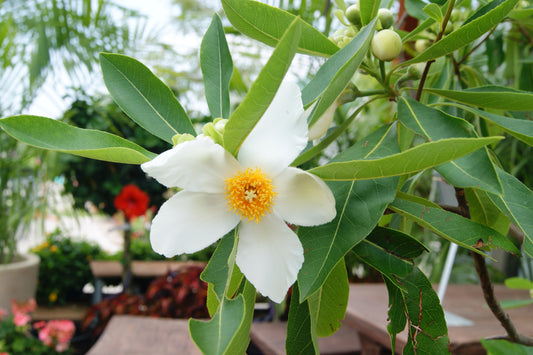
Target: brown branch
486, 284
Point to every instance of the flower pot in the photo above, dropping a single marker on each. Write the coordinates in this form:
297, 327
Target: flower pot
18, 280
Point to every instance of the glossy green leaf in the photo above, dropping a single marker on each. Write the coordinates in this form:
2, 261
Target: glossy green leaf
396, 243
143, 97
387, 264
494, 97
267, 24
397, 316
519, 128
415, 159
330, 301
220, 273
467, 33
484, 211
262, 91
505, 347
369, 10
359, 204
228, 331
46, 133
517, 203
336, 73
217, 68
428, 332
451, 226
301, 330
473, 170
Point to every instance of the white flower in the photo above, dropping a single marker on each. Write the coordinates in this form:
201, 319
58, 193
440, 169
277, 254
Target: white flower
258, 192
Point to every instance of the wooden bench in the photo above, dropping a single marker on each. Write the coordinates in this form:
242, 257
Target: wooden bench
110, 269
138, 335
269, 337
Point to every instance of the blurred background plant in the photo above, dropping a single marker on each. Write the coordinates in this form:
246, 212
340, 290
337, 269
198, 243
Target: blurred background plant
64, 269
23, 171
175, 295
19, 336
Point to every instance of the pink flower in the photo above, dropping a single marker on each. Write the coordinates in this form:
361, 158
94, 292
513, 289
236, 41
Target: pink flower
21, 319
3, 312
56, 333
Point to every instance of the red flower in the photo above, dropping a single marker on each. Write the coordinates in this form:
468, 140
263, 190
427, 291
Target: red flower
132, 201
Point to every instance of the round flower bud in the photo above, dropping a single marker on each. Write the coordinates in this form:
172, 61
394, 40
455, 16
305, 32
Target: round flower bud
353, 14
421, 45
415, 71
386, 45
385, 18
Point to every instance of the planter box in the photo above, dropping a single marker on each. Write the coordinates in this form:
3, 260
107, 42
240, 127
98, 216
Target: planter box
146, 269
18, 280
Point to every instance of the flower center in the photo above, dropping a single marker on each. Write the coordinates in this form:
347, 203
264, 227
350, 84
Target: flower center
250, 194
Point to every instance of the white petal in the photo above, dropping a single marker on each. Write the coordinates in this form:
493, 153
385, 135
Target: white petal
199, 165
303, 199
270, 255
321, 126
279, 136
189, 222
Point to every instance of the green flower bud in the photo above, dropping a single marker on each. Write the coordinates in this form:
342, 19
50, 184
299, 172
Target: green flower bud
385, 18
386, 45
215, 130
353, 14
350, 32
415, 71
180, 138
421, 45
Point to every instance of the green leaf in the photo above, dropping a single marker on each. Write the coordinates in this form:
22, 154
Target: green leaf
301, 330
359, 204
473, 170
466, 33
507, 304
217, 68
46, 133
387, 264
451, 226
331, 301
336, 73
228, 331
267, 24
262, 91
484, 211
143, 97
397, 316
221, 275
415, 159
517, 204
519, 128
434, 11
519, 283
369, 10
428, 332
505, 347
396, 243
494, 97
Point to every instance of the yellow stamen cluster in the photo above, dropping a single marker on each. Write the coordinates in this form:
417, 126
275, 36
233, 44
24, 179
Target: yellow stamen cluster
250, 194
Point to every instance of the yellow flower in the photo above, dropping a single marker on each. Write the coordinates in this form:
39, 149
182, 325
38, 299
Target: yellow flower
52, 297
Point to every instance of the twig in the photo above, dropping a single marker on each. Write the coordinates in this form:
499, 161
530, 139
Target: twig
486, 284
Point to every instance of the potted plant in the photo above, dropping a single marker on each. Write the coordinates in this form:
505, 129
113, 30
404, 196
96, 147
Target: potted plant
20, 197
